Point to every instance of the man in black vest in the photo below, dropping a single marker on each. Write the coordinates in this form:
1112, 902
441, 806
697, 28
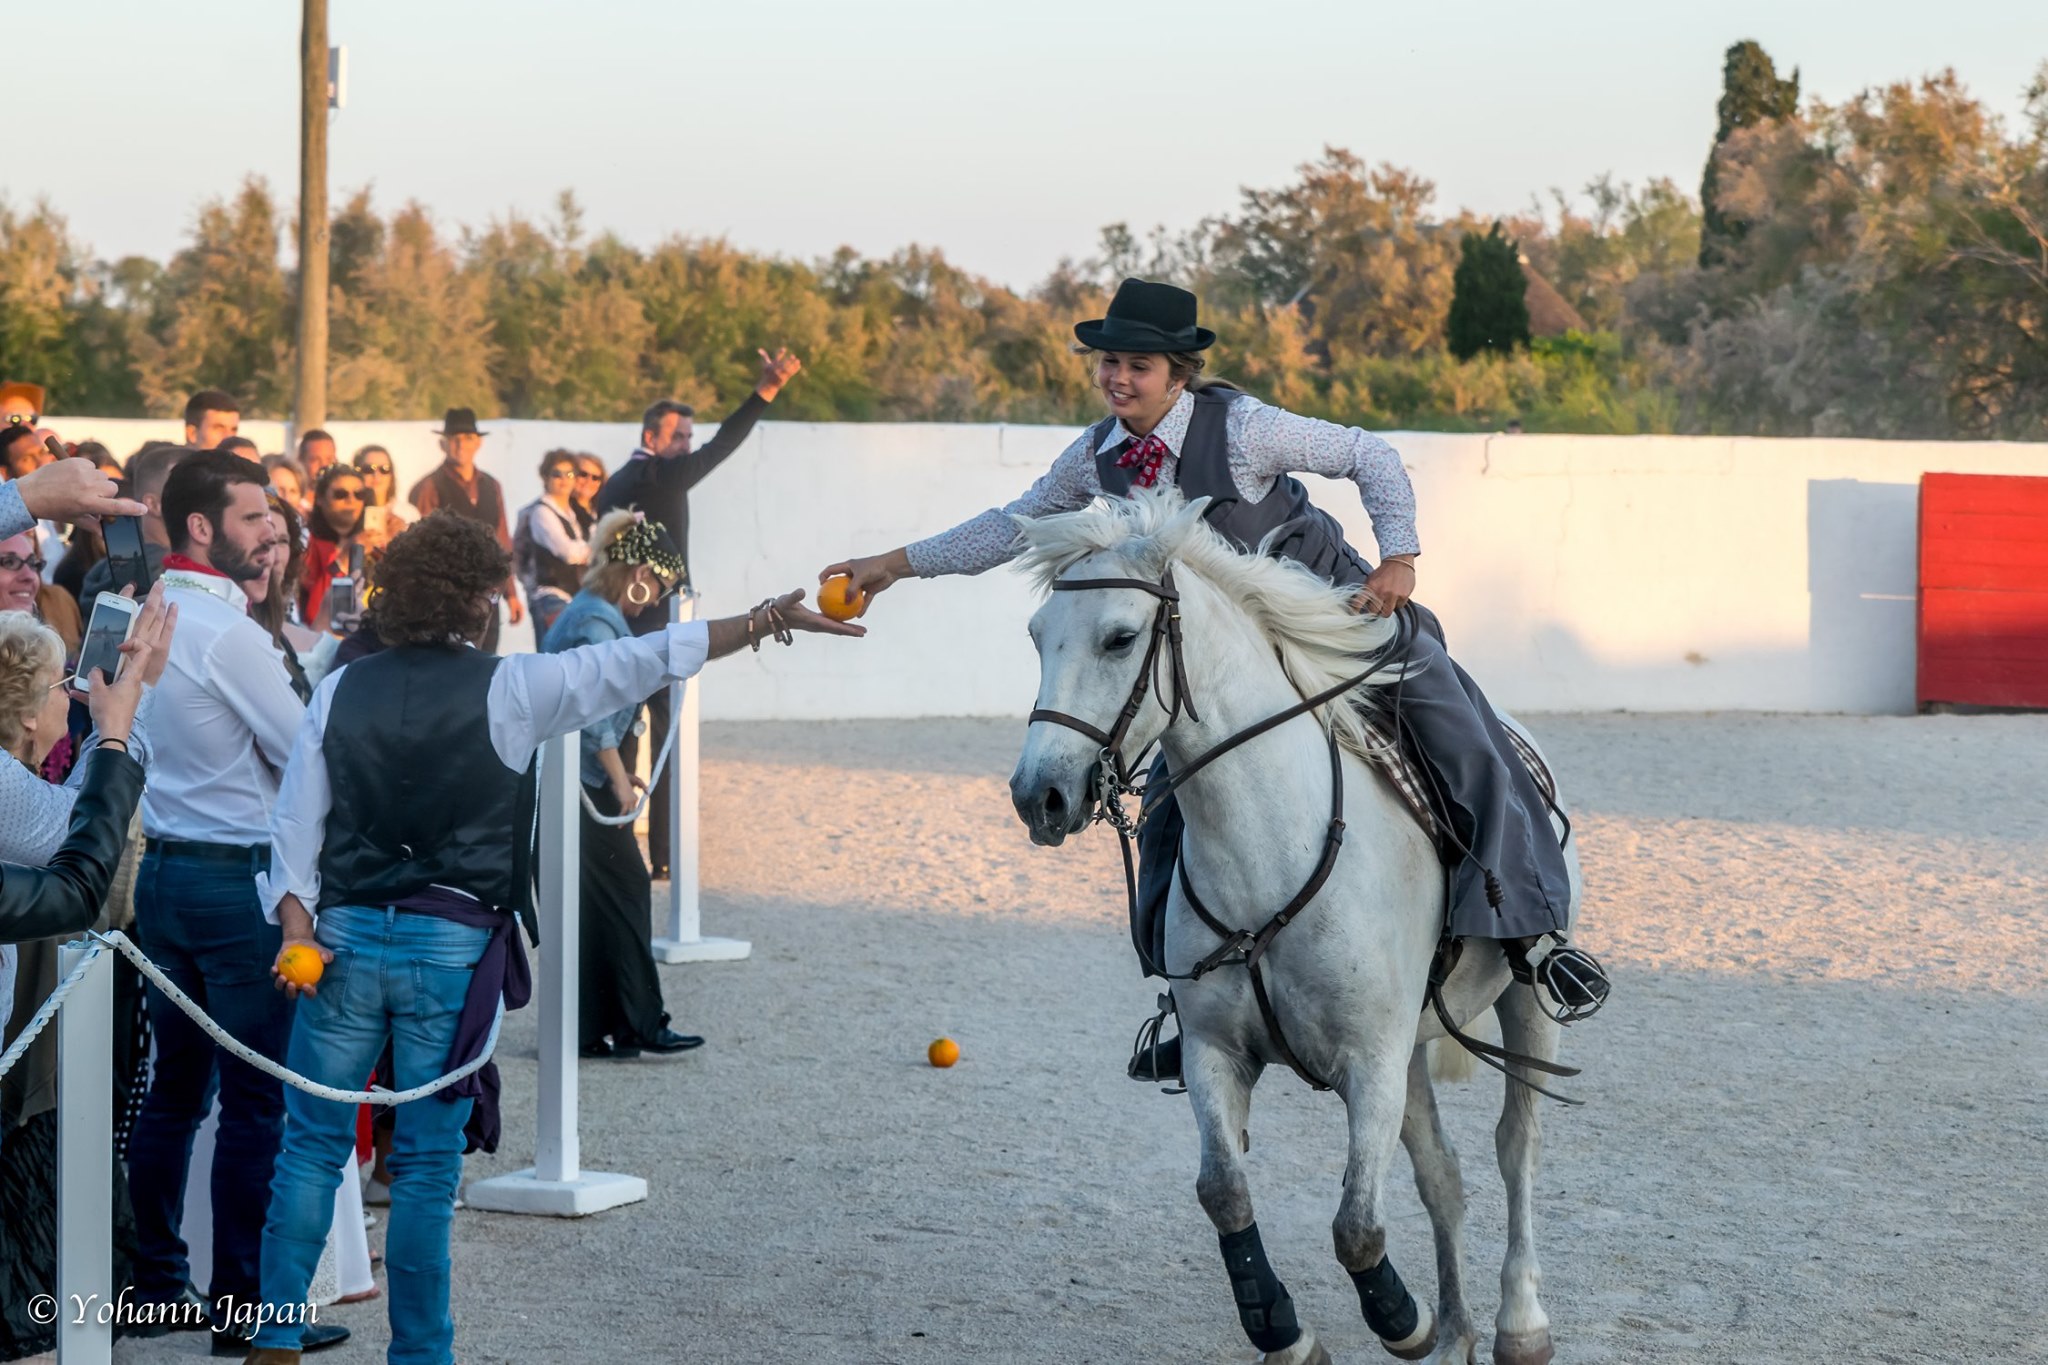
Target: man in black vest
418, 869
657, 480
460, 487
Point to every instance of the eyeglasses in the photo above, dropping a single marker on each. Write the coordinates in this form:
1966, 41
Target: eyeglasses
16, 563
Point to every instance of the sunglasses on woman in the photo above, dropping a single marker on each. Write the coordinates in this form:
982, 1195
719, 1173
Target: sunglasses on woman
375, 468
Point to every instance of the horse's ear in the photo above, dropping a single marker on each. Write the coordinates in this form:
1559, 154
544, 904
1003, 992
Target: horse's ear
1186, 519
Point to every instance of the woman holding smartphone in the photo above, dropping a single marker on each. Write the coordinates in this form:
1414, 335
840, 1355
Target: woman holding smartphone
384, 512
340, 546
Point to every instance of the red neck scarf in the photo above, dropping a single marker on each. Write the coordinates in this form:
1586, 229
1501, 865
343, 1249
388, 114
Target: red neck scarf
1144, 458
178, 561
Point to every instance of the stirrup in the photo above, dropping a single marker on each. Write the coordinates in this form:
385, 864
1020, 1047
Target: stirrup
1147, 1049
1569, 982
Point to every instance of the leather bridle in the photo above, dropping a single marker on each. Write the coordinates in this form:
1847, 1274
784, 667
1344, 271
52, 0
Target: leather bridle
1240, 947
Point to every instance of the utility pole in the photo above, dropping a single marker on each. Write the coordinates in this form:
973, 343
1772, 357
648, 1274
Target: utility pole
310, 410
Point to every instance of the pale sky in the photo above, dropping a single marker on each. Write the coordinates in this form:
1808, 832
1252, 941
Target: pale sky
1006, 134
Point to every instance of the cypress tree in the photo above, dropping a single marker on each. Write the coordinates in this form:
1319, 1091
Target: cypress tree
1751, 93
1489, 310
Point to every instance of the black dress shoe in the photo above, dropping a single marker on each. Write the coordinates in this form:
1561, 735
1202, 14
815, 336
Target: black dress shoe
666, 1043
239, 1340
1157, 1063
188, 1312
599, 1051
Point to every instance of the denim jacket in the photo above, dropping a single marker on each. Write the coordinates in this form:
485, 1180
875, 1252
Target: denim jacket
590, 620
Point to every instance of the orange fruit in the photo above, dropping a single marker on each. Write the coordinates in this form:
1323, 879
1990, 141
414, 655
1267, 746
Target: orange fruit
838, 600
300, 964
943, 1052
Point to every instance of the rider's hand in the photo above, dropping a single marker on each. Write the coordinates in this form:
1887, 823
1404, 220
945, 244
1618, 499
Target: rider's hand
872, 574
1387, 590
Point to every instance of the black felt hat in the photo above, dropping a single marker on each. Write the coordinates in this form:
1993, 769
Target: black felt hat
1147, 316
459, 422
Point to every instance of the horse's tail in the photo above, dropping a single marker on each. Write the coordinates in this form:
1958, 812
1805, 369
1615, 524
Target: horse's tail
1448, 1061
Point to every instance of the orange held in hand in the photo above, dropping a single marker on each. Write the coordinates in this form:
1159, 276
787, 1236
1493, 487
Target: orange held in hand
838, 600
944, 1052
300, 964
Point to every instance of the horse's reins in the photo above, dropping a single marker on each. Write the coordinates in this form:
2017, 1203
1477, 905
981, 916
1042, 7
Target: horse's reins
1113, 781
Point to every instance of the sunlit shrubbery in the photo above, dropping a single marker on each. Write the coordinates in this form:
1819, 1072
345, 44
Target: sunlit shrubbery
1876, 270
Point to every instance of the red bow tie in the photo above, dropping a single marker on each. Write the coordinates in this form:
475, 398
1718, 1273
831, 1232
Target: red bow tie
1145, 456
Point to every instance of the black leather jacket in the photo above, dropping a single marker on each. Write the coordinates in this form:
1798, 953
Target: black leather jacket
65, 896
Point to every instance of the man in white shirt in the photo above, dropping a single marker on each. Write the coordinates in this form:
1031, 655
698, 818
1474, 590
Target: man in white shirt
227, 717
416, 870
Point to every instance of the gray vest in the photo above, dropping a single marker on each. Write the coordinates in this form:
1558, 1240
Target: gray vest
1307, 534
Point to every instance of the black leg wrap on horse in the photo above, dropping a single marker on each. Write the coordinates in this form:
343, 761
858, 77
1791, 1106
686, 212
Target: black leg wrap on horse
1262, 1303
1388, 1306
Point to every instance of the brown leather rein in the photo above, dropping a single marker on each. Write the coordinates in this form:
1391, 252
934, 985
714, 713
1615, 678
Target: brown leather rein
1240, 947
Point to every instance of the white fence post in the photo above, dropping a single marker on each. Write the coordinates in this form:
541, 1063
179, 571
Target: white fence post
556, 1184
85, 1159
685, 940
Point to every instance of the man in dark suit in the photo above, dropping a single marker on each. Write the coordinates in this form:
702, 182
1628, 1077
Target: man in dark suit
657, 480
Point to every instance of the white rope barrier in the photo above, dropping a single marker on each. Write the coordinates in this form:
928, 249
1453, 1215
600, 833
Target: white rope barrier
646, 793
236, 1048
42, 1017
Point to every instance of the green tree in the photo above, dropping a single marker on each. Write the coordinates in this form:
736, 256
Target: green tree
409, 328
1751, 94
1488, 311
221, 314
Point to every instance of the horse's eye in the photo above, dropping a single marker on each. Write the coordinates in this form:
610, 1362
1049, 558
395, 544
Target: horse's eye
1119, 642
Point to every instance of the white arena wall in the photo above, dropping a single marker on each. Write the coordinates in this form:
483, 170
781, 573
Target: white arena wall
1572, 573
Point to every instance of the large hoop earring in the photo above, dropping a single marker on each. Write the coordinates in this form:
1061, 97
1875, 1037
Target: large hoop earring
639, 594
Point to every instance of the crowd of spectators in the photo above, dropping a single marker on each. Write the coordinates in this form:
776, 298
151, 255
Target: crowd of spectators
269, 579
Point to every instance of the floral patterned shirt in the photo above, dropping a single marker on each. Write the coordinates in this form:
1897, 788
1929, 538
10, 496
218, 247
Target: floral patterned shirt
1265, 443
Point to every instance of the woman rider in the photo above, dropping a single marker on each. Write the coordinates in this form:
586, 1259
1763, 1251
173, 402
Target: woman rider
1167, 425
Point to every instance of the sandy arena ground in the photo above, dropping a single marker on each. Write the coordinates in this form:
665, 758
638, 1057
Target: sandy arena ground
1817, 1128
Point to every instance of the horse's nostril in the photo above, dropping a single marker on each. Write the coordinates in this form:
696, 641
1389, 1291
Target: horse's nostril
1055, 803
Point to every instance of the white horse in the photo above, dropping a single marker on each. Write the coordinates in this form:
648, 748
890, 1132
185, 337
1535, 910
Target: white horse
1348, 978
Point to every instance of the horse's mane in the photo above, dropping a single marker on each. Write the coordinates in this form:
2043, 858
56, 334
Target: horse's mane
1320, 640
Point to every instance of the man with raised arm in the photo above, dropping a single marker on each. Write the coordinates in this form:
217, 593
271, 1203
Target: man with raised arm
657, 481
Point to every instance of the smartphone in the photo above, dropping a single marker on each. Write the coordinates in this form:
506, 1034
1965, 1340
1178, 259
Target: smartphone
373, 521
125, 558
113, 618
344, 601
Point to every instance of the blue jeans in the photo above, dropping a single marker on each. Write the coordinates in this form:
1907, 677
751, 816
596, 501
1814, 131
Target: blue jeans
399, 978
200, 921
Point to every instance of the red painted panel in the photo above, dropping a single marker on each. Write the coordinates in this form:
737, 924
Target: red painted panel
1983, 601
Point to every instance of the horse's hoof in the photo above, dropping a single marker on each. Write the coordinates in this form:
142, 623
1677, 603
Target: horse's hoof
1522, 1348
1306, 1350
